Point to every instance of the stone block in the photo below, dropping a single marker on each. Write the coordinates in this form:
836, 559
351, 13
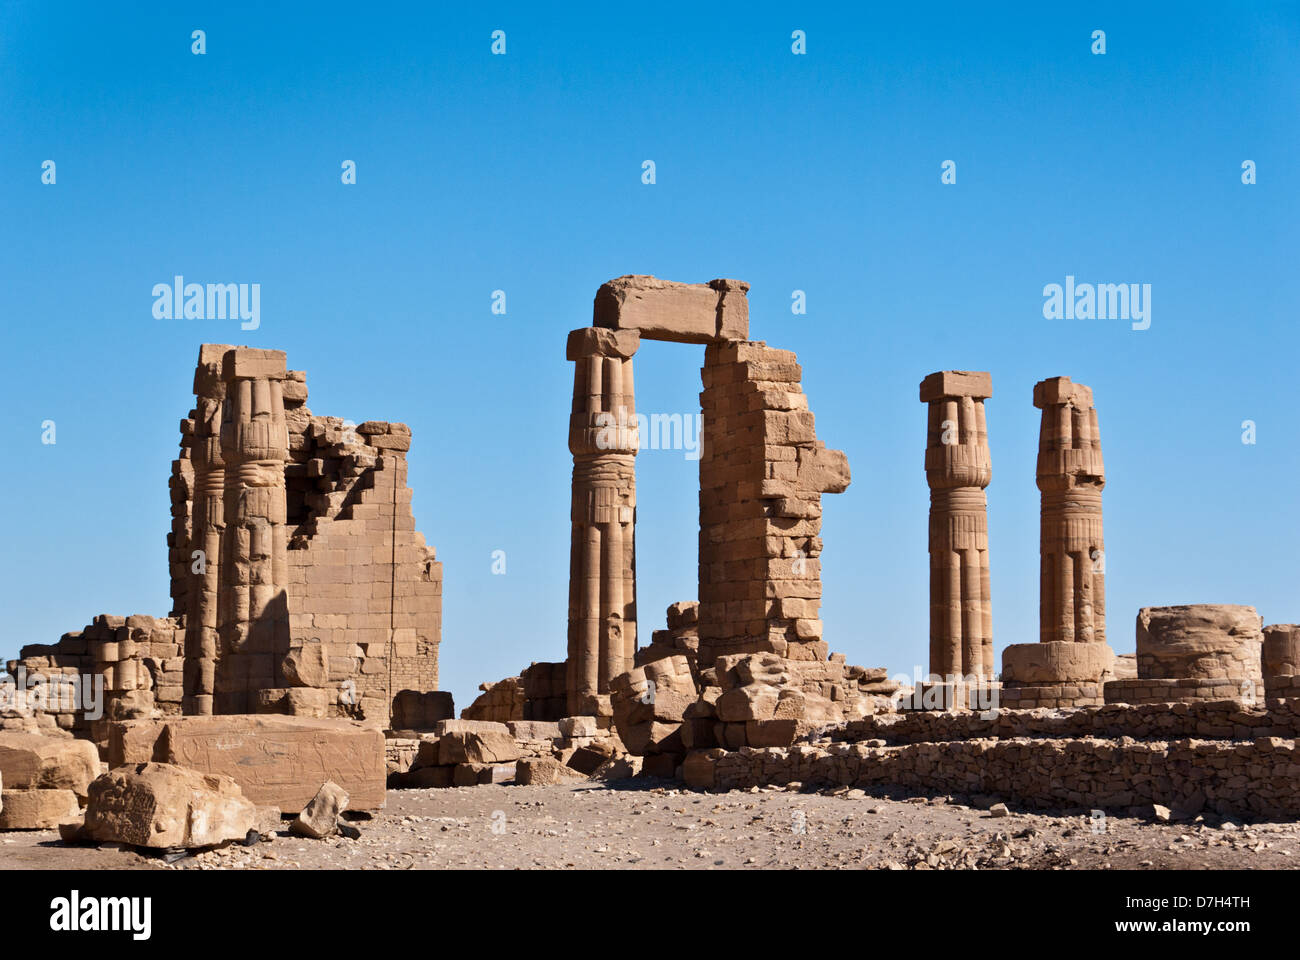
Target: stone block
163, 805
30, 761
36, 809
278, 760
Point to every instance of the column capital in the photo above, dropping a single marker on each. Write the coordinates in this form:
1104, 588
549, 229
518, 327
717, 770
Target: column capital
600, 342
955, 384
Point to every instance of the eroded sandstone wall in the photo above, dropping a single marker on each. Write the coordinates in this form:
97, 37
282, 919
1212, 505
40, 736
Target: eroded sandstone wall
329, 550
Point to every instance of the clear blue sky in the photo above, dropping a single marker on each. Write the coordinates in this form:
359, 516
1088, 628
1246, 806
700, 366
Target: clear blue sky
522, 173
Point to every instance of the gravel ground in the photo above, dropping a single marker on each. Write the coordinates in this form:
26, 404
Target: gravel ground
642, 825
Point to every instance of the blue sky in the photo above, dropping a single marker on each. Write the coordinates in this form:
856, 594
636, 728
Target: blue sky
522, 173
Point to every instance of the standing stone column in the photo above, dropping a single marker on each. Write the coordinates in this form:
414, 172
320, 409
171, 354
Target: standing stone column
1071, 476
604, 440
253, 626
1065, 669
958, 468
208, 523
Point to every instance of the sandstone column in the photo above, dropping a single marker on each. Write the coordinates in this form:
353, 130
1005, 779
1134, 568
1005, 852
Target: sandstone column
208, 522
604, 439
958, 468
1072, 604
1065, 669
253, 627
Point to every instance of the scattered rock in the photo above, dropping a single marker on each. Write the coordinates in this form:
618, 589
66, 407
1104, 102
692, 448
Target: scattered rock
320, 818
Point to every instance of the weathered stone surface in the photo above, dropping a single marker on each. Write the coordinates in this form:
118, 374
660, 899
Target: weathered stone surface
1199, 641
482, 748
541, 771
619, 768
164, 805
1071, 476
268, 819
1055, 662
1281, 650
680, 312
579, 727
958, 469
30, 761
320, 818
534, 729
586, 759
444, 727
599, 342
307, 666
276, 760
36, 809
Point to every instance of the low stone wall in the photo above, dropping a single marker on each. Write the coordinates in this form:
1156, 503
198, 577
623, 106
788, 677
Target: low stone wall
1054, 696
1260, 778
1186, 690
1284, 686
1225, 719
1256, 778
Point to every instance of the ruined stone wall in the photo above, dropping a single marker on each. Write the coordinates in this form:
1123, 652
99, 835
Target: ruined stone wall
539, 693
138, 659
762, 474
1256, 778
1226, 719
363, 591
359, 570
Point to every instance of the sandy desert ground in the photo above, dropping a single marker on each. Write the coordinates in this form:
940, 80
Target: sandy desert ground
657, 825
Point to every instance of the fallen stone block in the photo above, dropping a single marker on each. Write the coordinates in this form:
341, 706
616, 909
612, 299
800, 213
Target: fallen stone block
319, 819
268, 819
470, 747
278, 760
472, 774
36, 809
620, 768
164, 805
579, 727
534, 730
30, 761
698, 768
73, 830
543, 771
587, 758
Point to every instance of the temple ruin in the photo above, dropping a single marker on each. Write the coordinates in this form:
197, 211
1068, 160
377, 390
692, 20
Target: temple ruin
299, 583
306, 620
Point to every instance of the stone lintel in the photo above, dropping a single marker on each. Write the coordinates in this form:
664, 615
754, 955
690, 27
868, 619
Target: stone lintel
717, 311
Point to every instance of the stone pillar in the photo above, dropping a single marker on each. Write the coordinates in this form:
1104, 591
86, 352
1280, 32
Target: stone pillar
1072, 603
1065, 669
253, 625
958, 468
208, 523
604, 440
